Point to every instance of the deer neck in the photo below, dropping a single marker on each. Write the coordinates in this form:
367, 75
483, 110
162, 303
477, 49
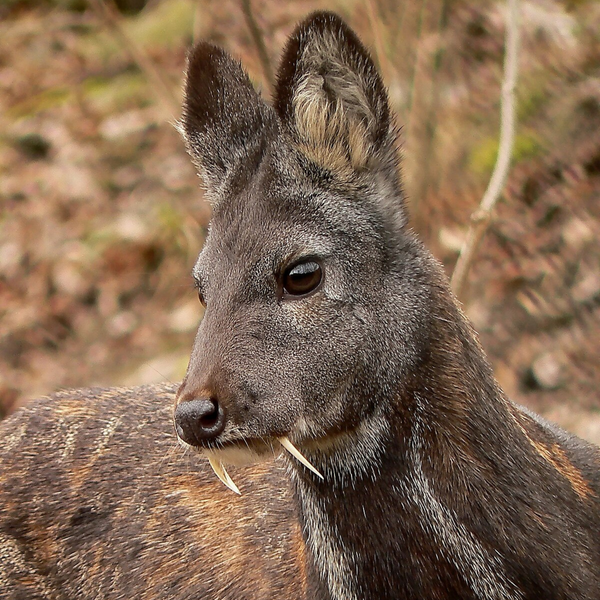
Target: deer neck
384, 523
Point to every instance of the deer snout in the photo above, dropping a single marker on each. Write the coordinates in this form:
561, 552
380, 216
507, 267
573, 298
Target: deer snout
199, 420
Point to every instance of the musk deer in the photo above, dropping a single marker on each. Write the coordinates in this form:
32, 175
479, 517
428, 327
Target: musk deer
330, 332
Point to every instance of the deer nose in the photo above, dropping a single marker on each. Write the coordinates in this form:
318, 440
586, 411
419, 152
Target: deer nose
199, 420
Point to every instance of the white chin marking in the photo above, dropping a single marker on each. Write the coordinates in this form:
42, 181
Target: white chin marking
241, 456
246, 455
237, 456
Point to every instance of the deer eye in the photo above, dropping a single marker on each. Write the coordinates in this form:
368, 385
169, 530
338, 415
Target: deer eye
198, 286
302, 279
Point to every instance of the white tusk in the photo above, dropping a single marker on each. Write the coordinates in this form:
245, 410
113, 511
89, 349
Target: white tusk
285, 442
222, 474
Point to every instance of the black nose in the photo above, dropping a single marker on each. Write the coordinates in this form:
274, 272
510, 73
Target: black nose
199, 420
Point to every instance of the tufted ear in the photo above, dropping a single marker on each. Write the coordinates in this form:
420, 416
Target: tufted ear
331, 98
225, 123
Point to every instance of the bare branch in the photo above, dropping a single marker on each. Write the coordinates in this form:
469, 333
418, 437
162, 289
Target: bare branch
481, 218
160, 85
259, 42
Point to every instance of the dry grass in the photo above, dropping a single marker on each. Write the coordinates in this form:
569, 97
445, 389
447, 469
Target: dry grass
101, 216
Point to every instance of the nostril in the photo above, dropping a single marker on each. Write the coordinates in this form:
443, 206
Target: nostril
199, 420
211, 416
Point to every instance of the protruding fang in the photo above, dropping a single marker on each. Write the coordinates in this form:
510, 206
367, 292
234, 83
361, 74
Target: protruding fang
285, 442
222, 474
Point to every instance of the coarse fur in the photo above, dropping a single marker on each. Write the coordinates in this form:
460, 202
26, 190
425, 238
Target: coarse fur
436, 486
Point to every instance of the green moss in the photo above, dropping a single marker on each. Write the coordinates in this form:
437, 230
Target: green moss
97, 240
527, 145
50, 98
167, 24
115, 93
100, 46
483, 157
104, 94
530, 101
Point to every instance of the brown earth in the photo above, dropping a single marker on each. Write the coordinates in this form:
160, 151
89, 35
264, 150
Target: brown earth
101, 216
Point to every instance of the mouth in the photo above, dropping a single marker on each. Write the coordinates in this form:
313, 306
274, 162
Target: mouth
250, 451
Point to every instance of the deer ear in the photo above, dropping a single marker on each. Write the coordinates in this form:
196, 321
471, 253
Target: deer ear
331, 99
225, 123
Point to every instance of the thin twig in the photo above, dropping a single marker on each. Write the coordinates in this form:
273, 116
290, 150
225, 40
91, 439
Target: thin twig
481, 218
259, 42
162, 88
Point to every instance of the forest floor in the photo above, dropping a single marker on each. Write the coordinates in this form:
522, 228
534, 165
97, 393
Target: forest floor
101, 215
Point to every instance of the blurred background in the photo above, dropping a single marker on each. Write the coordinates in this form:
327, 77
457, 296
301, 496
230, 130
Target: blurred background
101, 214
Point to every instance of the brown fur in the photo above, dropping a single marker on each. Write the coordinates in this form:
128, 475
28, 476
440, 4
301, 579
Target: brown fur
435, 485
157, 524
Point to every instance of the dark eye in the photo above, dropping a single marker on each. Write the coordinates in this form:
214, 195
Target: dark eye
201, 296
303, 278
